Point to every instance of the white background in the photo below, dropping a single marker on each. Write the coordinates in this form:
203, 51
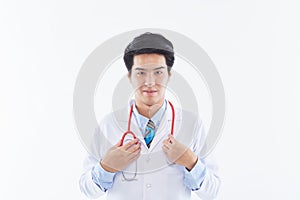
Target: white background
254, 45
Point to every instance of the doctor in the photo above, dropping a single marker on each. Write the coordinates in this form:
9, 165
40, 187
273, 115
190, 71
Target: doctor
158, 164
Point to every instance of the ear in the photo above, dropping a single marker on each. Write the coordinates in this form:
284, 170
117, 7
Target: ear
129, 76
170, 75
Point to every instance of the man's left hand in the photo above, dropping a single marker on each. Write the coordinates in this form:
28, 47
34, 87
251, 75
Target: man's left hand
178, 153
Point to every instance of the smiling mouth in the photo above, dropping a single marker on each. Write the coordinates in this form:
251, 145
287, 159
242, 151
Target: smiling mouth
150, 91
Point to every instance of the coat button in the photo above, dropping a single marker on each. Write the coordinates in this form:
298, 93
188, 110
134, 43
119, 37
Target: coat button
148, 185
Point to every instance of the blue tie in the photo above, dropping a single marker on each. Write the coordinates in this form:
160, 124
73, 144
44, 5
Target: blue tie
149, 135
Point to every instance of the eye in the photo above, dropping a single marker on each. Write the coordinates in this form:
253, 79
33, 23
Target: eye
158, 72
140, 73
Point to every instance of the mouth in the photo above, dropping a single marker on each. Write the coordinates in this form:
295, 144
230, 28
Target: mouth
150, 92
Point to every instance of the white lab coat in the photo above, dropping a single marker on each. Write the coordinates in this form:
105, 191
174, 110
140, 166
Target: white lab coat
156, 180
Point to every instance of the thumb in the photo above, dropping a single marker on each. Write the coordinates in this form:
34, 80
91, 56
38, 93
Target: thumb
172, 139
118, 144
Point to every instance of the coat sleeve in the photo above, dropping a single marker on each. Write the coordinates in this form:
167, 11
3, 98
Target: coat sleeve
86, 183
210, 185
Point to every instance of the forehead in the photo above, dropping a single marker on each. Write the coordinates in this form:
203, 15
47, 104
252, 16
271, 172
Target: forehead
149, 59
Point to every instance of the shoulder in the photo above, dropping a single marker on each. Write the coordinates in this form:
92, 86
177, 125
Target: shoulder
113, 119
187, 115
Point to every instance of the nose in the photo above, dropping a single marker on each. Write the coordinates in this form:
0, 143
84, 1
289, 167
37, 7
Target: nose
150, 80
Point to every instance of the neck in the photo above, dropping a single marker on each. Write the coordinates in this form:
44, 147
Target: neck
148, 110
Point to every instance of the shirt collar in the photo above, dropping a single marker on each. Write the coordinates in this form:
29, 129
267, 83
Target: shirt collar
142, 120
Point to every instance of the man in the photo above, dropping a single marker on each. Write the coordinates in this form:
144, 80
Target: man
156, 164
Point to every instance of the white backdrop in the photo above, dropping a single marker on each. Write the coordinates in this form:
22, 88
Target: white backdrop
254, 45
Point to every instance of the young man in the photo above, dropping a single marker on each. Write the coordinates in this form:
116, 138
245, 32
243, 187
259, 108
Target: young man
156, 165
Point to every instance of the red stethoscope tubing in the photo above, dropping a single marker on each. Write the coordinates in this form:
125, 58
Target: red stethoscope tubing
129, 122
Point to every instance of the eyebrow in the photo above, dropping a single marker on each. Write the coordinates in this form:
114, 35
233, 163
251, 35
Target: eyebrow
143, 69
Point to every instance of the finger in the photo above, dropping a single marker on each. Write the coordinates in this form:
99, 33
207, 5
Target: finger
118, 144
167, 144
128, 144
172, 139
133, 148
135, 151
134, 155
165, 149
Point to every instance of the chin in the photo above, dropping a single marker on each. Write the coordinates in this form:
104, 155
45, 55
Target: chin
152, 101
149, 100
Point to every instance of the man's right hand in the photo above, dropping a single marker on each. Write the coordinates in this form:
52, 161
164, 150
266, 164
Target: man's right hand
119, 157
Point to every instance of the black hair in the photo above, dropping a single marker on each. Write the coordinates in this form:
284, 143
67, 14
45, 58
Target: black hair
128, 57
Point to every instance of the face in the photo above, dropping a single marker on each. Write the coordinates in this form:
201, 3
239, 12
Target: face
149, 77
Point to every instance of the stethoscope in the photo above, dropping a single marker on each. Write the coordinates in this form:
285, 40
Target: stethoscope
134, 136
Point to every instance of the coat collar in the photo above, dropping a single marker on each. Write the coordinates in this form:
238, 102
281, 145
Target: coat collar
162, 132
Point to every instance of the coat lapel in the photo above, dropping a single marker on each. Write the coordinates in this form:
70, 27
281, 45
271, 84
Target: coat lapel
122, 117
162, 132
